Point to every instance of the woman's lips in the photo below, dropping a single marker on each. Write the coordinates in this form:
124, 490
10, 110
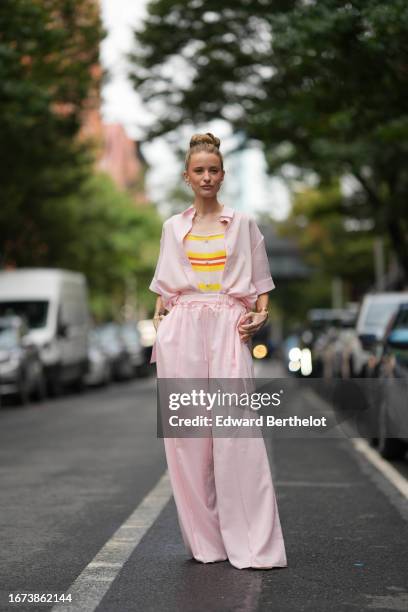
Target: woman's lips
206, 187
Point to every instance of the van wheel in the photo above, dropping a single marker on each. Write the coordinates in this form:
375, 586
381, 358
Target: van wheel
54, 384
79, 385
389, 448
23, 393
108, 375
40, 392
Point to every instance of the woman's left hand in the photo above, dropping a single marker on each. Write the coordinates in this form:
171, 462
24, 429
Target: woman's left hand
250, 323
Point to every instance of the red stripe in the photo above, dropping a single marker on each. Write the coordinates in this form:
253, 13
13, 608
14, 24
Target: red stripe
221, 259
208, 265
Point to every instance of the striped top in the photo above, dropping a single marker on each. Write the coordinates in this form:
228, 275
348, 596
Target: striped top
207, 256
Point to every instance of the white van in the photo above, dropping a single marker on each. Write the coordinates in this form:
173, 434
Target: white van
55, 305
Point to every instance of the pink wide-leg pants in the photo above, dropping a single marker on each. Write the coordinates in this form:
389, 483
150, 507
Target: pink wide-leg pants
222, 487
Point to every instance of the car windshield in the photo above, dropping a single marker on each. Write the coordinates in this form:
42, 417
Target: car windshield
8, 338
378, 315
33, 311
402, 320
108, 336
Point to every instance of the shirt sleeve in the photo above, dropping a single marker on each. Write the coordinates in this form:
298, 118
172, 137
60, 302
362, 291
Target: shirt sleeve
154, 285
261, 274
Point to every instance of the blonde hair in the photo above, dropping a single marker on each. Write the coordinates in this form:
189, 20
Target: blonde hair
204, 142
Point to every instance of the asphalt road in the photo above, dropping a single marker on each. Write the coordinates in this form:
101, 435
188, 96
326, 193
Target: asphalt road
73, 470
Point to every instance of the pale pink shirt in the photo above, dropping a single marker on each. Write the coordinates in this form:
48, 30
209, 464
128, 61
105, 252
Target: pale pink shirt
246, 273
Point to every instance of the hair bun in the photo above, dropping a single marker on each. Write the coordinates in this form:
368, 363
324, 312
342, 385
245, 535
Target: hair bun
206, 138
207, 143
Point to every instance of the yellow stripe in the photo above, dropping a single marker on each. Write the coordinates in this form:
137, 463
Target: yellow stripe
209, 268
209, 286
213, 237
196, 255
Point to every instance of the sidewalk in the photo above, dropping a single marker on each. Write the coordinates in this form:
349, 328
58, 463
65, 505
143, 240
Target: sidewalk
345, 531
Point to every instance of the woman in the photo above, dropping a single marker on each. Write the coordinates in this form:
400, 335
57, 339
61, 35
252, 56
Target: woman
213, 277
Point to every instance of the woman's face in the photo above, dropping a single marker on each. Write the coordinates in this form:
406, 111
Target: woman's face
204, 174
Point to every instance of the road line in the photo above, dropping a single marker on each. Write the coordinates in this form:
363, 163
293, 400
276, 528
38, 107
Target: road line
382, 465
93, 583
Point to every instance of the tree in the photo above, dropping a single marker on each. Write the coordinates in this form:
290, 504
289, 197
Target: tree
322, 84
333, 245
48, 53
107, 238
115, 243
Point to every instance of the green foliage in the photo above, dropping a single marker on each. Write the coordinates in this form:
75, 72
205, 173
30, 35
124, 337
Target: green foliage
113, 242
55, 211
48, 51
296, 298
331, 247
323, 85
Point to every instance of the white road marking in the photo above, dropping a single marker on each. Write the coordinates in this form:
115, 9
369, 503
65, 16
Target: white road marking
95, 580
382, 465
386, 469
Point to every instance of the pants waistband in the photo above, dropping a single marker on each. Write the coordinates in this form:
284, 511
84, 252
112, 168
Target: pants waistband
213, 298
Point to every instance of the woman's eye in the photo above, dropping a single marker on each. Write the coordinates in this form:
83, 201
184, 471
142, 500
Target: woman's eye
201, 170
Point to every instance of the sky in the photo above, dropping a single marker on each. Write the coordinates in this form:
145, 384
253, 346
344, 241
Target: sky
121, 104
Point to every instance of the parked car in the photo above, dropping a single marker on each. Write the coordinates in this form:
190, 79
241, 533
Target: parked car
315, 339
375, 312
131, 337
392, 415
336, 338
55, 306
99, 365
111, 341
21, 370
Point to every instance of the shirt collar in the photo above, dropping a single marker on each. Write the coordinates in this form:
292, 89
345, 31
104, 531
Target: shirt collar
186, 220
227, 212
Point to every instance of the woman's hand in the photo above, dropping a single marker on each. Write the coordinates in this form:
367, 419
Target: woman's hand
250, 323
156, 320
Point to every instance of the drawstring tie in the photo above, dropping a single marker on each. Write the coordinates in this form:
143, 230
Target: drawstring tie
207, 303
204, 324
